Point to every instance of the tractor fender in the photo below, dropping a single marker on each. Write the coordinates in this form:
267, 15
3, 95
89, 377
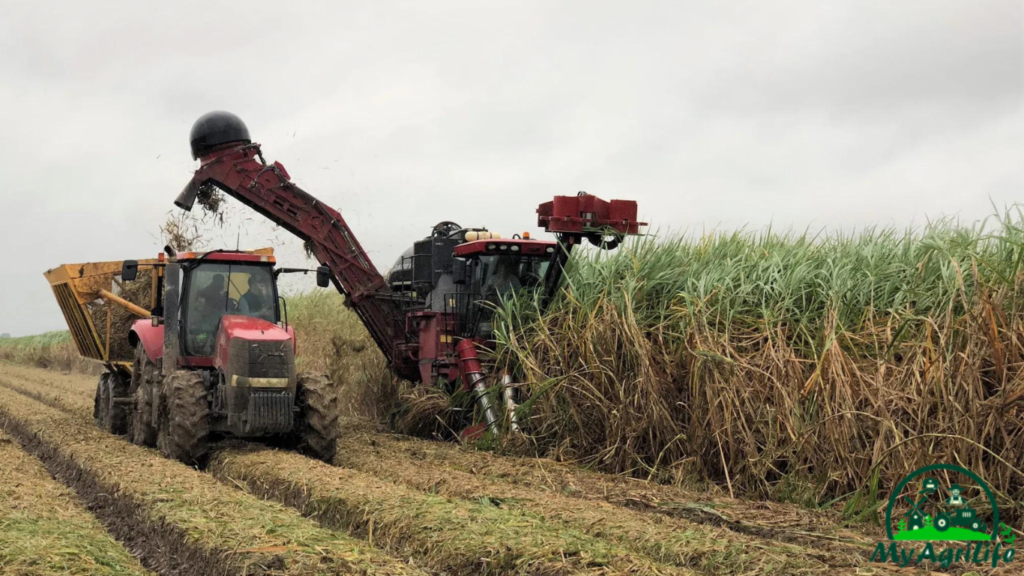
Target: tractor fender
152, 338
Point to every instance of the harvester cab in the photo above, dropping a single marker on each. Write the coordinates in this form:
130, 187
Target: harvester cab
212, 355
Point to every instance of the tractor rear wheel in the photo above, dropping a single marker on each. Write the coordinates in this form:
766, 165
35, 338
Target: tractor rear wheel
143, 432
316, 425
184, 425
942, 522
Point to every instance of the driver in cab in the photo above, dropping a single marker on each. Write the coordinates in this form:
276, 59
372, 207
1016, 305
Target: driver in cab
258, 302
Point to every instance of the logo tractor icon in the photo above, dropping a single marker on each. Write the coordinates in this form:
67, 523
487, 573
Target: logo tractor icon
956, 514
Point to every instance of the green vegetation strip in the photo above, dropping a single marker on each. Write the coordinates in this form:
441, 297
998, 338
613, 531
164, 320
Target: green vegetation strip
451, 536
44, 339
44, 530
177, 519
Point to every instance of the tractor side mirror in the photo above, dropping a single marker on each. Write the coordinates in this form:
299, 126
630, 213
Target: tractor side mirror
323, 276
129, 270
458, 271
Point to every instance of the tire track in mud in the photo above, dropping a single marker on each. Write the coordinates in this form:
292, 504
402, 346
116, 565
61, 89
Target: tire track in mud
44, 529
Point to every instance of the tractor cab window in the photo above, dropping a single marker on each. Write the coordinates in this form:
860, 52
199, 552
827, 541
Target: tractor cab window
216, 290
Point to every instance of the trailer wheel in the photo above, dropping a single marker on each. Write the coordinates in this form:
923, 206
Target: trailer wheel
184, 424
143, 431
101, 403
117, 412
316, 425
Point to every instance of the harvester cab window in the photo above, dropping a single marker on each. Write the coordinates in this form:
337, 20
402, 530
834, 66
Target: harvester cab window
499, 275
216, 290
496, 277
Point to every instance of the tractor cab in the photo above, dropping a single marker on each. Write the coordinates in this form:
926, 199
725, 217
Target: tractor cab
213, 289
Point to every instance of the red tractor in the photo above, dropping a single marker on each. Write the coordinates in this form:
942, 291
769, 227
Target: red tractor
213, 357
434, 310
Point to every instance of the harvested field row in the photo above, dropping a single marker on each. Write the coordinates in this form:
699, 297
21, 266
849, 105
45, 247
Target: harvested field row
320, 490
780, 521
785, 521
63, 382
433, 529
45, 530
448, 535
177, 519
670, 540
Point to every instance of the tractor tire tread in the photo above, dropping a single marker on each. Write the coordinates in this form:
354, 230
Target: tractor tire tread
316, 425
119, 414
185, 425
101, 403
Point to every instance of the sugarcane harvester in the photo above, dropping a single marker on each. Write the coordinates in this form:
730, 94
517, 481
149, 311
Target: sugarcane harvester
434, 311
194, 348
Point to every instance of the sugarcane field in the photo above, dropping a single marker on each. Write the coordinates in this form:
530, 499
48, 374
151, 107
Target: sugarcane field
512, 288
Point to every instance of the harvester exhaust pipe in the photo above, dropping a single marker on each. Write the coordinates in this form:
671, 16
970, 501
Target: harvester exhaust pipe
473, 376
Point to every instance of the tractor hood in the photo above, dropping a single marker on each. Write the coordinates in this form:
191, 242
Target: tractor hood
250, 328
245, 343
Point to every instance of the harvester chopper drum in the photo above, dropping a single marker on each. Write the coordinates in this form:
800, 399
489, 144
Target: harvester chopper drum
433, 312
212, 355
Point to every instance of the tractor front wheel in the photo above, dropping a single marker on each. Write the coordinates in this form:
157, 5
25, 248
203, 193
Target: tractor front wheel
184, 423
316, 424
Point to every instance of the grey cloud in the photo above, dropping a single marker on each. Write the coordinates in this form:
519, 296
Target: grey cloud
833, 114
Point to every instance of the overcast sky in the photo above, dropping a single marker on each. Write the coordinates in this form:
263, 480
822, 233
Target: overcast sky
710, 114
